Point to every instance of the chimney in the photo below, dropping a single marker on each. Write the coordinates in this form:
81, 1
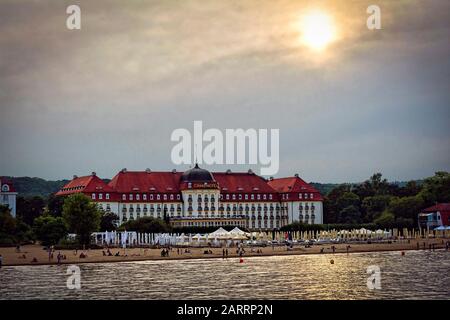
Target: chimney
75, 176
296, 175
174, 171
148, 170
123, 170
94, 173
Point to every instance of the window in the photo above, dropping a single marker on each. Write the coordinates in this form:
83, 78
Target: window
158, 197
107, 196
100, 196
270, 197
253, 197
311, 196
165, 197
144, 197
171, 197
258, 197
138, 197
93, 196
151, 197
240, 196
131, 197
124, 197
5, 188
178, 197
228, 197
234, 197
299, 195
246, 196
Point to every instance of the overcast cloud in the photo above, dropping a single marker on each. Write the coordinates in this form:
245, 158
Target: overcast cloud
109, 95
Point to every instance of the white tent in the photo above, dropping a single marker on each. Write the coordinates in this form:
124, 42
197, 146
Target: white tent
219, 233
237, 231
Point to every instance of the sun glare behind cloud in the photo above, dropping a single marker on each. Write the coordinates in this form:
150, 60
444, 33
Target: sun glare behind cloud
317, 30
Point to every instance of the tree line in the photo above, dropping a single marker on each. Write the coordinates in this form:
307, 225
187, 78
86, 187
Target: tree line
385, 204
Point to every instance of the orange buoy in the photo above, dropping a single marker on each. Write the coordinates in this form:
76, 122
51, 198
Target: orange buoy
241, 260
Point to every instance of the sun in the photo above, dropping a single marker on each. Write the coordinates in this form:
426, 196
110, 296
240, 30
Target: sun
317, 30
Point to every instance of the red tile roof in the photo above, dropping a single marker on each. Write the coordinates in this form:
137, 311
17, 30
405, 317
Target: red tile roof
293, 185
441, 207
88, 184
169, 182
142, 181
240, 182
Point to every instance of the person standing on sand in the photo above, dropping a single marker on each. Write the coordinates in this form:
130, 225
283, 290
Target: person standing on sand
223, 253
226, 253
1, 261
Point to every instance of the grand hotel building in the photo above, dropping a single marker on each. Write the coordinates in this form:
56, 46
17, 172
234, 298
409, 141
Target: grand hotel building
198, 197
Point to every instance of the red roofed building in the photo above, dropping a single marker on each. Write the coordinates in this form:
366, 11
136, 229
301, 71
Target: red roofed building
8, 195
303, 202
435, 216
198, 197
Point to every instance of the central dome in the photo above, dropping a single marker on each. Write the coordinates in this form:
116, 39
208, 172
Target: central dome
197, 174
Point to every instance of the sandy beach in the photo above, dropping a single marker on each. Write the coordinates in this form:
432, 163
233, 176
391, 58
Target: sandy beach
27, 253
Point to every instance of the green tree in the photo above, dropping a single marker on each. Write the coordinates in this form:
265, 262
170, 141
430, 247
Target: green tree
108, 221
49, 230
7, 222
55, 205
373, 206
350, 215
146, 224
385, 220
29, 209
331, 209
347, 199
436, 189
81, 216
375, 185
406, 208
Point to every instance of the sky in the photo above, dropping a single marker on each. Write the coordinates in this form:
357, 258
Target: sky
108, 96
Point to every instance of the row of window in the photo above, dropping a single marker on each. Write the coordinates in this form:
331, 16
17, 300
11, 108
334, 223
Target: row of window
306, 207
137, 197
285, 196
94, 196
305, 217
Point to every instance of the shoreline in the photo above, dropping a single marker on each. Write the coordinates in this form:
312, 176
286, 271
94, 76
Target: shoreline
13, 258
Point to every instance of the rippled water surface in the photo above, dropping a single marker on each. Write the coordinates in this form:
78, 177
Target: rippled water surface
418, 274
